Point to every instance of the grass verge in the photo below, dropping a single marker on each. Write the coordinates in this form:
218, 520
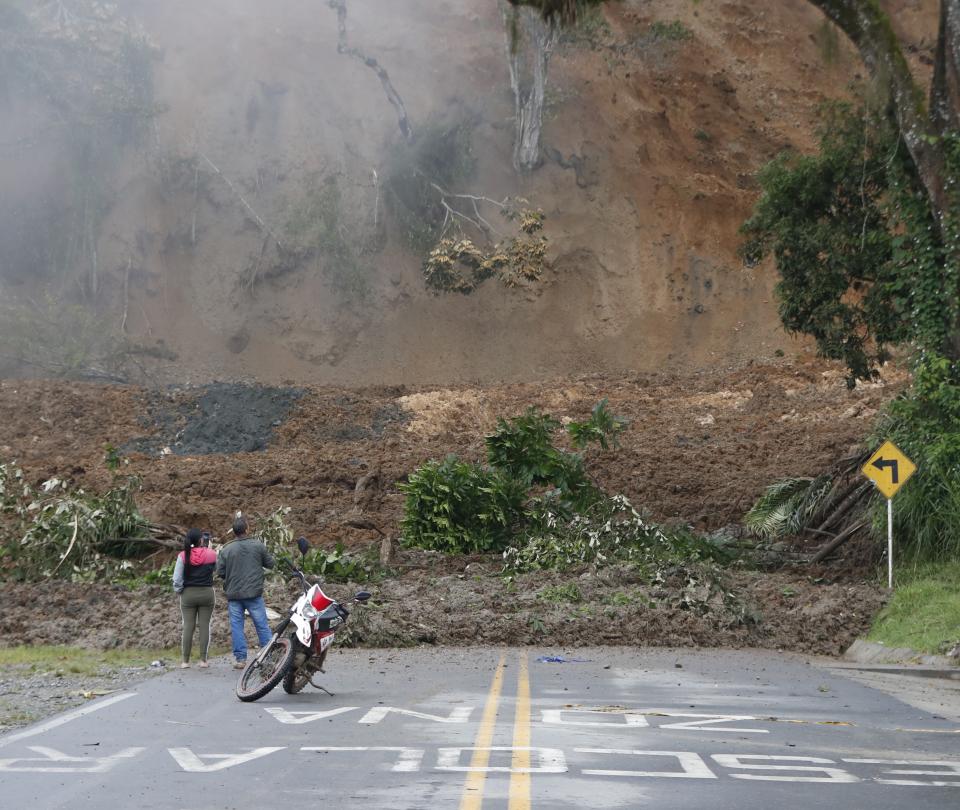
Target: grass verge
924, 613
81, 661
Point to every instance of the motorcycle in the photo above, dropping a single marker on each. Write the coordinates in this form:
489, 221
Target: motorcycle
296, 654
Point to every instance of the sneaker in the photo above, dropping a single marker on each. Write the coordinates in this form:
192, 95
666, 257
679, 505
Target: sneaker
184, 665
239, 664
204, 665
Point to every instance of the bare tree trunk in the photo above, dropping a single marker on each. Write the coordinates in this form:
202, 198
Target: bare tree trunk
864, 22
530, 41
945, 93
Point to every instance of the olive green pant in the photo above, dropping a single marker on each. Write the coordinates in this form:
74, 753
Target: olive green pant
196, 605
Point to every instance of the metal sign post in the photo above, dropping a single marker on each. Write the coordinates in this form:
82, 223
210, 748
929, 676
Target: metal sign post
889, 470
890, 543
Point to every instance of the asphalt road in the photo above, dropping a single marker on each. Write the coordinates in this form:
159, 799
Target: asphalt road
493, 728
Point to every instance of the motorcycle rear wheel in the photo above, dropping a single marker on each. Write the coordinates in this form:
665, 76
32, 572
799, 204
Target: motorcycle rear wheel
299, 677
295, 680
258, 679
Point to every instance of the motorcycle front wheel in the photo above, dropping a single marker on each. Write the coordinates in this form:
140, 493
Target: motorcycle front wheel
259, 678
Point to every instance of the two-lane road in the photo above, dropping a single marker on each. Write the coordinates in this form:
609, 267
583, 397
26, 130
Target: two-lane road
493, 728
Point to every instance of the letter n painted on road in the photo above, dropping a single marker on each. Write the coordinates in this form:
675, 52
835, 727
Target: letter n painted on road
296, 718
461, 714
194, 763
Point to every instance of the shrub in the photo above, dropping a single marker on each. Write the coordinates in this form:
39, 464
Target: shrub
602, 427
457, 506
464, 507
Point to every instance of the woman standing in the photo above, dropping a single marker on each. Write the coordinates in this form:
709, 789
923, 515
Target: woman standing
193, 580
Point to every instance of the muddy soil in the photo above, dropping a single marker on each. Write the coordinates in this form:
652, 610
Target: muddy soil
465, 601
214, 418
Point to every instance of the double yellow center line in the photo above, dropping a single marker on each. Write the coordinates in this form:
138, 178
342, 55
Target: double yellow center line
520, 763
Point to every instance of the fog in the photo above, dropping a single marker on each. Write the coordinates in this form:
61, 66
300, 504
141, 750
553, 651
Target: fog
233, 189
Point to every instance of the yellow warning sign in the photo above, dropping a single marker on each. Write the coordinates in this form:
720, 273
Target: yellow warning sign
889, 469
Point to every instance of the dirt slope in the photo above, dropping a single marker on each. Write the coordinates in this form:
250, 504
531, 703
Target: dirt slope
663, 138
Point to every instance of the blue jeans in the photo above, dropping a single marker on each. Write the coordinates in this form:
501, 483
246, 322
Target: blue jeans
258, 612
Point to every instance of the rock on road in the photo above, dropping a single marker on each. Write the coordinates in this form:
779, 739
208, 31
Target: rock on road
495, 728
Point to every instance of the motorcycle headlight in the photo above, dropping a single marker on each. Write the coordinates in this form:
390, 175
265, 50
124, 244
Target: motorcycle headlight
309, 612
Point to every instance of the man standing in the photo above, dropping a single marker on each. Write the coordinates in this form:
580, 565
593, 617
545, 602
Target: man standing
240, 565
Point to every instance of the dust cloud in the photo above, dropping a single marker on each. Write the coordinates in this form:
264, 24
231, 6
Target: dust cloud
245, 191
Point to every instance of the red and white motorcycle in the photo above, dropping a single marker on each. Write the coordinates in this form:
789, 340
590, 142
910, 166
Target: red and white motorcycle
295, 654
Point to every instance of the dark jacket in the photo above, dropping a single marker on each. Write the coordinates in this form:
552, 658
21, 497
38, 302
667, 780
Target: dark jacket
240, 565
200, 573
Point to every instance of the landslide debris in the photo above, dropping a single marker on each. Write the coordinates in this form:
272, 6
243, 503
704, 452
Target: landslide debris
214, 418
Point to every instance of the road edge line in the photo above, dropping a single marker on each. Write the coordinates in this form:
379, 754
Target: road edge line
6, 739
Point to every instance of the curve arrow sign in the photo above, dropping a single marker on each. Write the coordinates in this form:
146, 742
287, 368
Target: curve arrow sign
889, 469
893, 464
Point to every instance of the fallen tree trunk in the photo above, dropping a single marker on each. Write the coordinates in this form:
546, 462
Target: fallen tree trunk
837, 541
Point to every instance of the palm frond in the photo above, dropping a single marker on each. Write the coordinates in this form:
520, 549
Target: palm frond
784, 505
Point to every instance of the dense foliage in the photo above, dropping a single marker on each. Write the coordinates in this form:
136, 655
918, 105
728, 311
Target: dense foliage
861, 261
460, 506
457, 506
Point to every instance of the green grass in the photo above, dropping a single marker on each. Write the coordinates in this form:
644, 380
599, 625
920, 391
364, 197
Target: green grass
80, 661
673, 31
561, 594
924, 613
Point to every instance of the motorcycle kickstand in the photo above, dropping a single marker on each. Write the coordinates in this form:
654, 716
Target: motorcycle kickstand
321, 688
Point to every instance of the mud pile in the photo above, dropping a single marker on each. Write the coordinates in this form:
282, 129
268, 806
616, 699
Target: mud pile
215, 418
462, 602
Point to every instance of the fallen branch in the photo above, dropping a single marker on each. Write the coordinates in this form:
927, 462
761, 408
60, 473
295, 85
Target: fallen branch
344, 47
73, 540
837, 541
859, 491
257, 218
